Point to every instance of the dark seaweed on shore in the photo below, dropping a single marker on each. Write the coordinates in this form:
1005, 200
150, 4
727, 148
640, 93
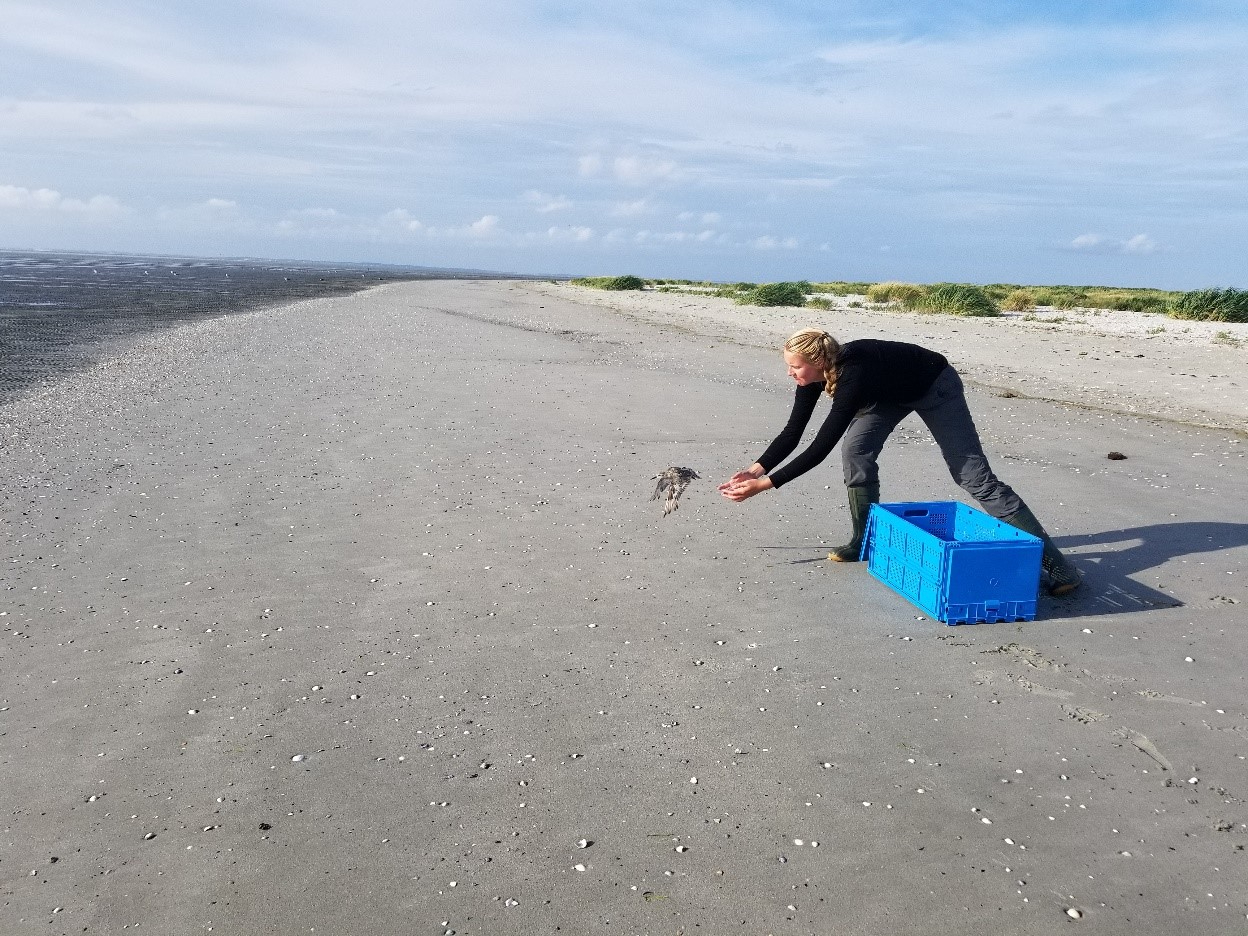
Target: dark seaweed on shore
56, 310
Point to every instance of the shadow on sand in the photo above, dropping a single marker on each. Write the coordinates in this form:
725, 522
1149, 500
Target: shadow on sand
1109, 586
1109, 572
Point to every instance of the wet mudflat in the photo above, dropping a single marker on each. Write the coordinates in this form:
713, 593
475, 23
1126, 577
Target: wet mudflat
57, 311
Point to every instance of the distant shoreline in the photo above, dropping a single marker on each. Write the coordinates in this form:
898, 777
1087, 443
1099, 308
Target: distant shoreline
58, 308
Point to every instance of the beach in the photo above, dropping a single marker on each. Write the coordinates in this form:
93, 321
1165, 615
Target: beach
354, 616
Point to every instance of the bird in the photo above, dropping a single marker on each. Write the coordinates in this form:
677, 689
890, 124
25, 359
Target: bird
672, 482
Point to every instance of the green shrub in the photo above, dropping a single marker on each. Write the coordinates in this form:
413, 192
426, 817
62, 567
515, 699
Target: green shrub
997, 292
611, 282
1020, 300
908, 295
624, 282
819, 302
841, 288
1212, 305
1132, 300
957, 299
776, 294
1101, 297
1059, 297
1225, 337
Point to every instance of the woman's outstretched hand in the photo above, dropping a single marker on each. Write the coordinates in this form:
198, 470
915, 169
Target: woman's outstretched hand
743, 485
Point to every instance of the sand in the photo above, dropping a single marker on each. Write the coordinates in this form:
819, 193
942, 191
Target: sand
355, 617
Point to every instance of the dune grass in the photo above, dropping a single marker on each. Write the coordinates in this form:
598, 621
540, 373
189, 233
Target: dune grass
776, 294
611, 282
906, 295
841, 288
1215, 305
1212, 305
1019, 300
957, 299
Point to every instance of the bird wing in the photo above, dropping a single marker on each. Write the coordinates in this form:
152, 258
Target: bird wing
665, 484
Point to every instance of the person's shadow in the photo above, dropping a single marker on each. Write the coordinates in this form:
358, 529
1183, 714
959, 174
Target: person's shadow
1110, 585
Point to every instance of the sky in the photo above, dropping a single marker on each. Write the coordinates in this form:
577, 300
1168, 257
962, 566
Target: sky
1025, 141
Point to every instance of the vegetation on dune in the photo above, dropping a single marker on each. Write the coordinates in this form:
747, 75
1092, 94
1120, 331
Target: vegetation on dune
906, 295
841, 288
1019, 300
1212, 305
1122, 300
733, 290
1225, 337
1010, 296
611, 282
957, 299
951, 298
776, 294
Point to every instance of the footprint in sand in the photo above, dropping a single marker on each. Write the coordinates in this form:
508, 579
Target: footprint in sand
1145, 745
1027, 656
1041, 690
1085, 716
986, 677
1162, 697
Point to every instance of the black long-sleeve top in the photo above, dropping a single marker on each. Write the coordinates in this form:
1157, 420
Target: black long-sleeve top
867, 371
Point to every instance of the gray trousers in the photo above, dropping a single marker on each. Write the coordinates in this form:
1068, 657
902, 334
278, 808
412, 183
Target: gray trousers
943, 409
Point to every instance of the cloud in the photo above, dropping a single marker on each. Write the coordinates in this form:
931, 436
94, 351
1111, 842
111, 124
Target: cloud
637, 170
44, 200
631, 209
1140, 244
317, 214
329, 223
485, 226
544, 203
209, 214
630, 170
767, 242
667, 237
404, 219
706, 217
574, 234
1089, 242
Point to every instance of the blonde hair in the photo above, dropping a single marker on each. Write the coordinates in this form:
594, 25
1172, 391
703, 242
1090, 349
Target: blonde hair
818, 348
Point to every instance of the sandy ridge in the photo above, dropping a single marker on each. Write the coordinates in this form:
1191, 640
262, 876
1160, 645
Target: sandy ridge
1121, 362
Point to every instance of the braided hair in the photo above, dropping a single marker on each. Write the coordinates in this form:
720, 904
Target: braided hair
820, 349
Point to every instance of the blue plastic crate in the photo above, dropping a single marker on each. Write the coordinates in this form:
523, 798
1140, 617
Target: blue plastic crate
959, 565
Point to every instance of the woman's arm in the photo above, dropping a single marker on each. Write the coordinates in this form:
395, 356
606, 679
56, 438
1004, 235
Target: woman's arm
850, 396
820, 447
783, 445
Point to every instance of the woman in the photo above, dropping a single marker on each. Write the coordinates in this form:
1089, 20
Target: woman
873, 386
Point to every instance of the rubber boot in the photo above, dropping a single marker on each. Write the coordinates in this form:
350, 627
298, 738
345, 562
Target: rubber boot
1063, 577
860, 500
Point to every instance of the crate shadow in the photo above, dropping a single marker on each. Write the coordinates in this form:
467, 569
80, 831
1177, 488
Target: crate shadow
1109, 583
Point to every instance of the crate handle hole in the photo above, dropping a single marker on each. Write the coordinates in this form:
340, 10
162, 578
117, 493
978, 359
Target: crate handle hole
915, 513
